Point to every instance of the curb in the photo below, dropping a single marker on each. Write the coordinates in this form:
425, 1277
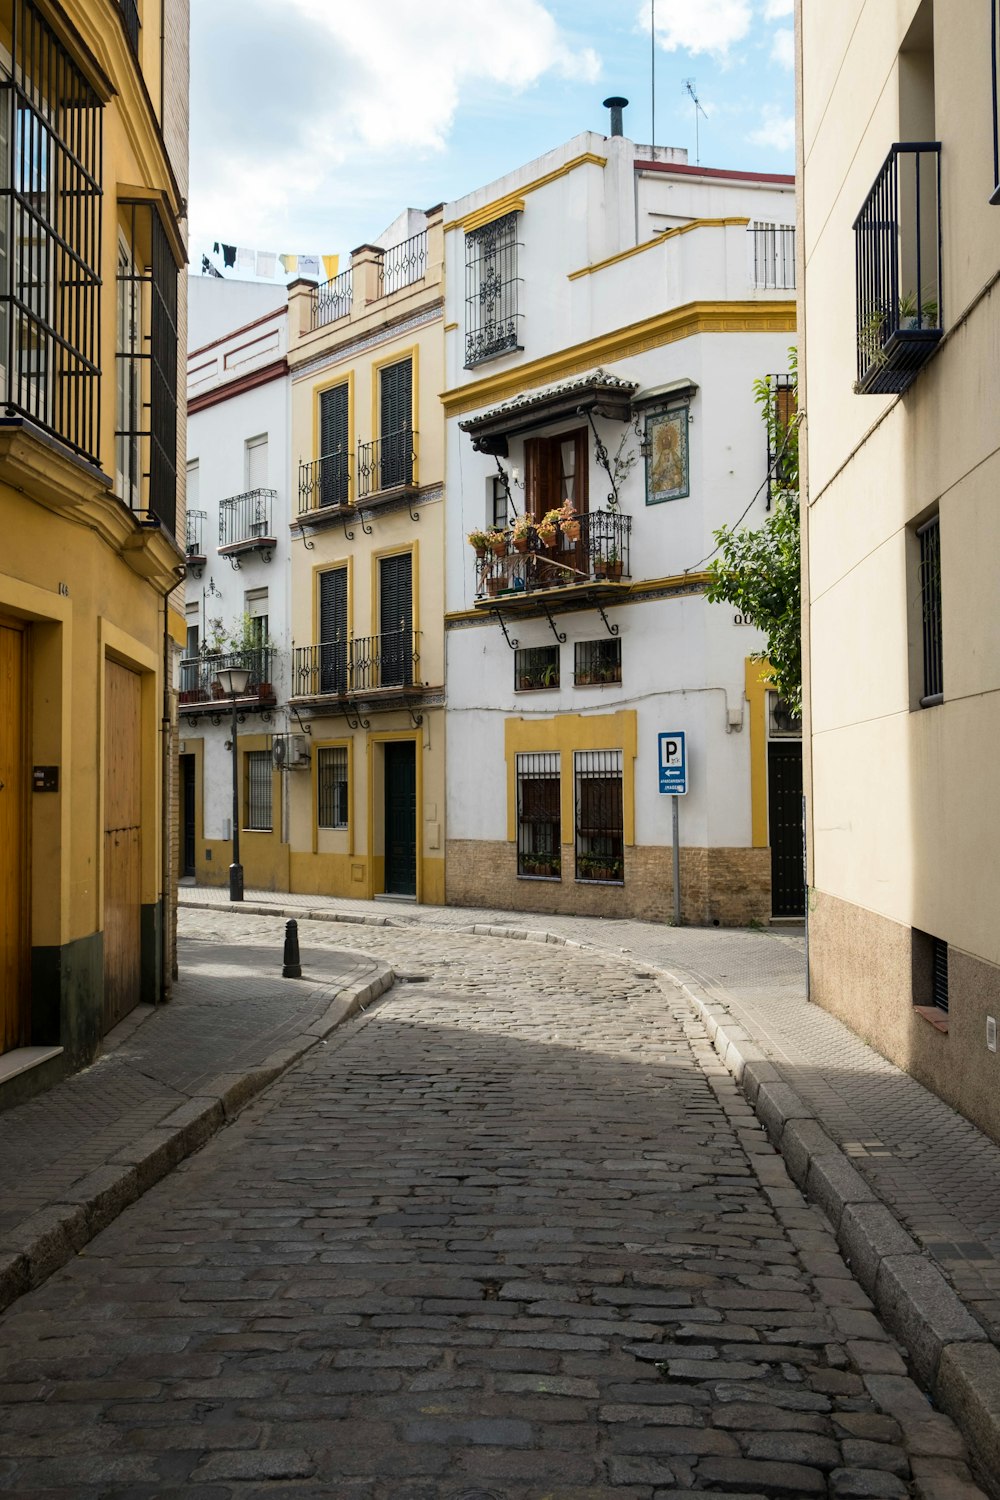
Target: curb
311, 914
48, 1239
952, 1354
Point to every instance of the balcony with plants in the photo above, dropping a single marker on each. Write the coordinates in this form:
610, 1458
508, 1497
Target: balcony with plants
558, 555
897, 238
246, 645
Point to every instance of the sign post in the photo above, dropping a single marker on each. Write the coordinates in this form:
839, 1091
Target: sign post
673, 783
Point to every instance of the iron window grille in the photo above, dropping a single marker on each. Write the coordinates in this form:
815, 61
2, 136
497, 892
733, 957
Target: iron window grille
930, 971
994, 60
600, 839
146, 426
51, 126
258, 784
929, 537
332, 300
597, 662
195, 533
536, 667
492, 320
331, 786
245, 518
781, 475
539, 851
403, 264
897, 244
772, 249
130, 20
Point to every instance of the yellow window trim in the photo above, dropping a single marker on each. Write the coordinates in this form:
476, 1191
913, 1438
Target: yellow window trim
567, 733
332, 744
666, 234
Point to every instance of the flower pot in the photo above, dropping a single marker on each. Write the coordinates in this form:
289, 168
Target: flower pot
499, 549
520, 544
493, 586
600, 567
614, 572
480, 553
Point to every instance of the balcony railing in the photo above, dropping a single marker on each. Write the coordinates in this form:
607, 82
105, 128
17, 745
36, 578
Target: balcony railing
359, 664
130, 16
246, 518
387, 463
325, 482
897, 242
599, 555
194, 540
402, 264
199, 676
332, 300
772, 256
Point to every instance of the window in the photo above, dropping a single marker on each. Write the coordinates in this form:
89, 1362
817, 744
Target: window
128, 381
930, 971
556, 470
257, 813
781, 463
387, 463
331, 786
491, 289
929, 537
772, 251
394, 653
50, 235
330, 485
536, 667
499, 515
600, 838
256, 462
333, 631
538, 820
668, 466
596, 662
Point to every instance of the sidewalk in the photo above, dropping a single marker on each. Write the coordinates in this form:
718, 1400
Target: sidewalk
72, 1158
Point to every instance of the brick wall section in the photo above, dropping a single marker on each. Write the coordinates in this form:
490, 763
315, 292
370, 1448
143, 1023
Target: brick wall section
729, 886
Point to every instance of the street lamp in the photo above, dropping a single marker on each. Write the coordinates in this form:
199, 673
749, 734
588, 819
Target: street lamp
233, 682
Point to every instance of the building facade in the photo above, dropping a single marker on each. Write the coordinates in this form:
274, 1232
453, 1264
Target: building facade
93, 144
608, 311
899, 317
238, 563
364, 764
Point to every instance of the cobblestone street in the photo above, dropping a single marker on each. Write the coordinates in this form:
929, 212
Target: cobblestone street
512, 1233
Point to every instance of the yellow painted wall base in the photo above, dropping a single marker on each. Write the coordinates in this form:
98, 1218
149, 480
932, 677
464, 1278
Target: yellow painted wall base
265, 862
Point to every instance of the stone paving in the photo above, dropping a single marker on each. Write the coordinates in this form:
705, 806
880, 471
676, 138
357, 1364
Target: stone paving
511, 1235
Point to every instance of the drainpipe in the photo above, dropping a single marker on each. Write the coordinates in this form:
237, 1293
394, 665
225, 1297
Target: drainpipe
167, 973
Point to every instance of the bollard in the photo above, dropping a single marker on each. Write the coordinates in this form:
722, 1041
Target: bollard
291, 968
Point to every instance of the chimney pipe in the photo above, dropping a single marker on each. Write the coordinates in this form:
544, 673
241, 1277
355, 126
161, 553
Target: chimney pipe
616, 105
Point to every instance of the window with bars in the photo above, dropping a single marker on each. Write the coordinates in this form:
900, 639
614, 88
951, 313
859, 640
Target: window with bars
257, 809
600, 837
929, 538
930, 971
51, 125
596, 662
331, 786
539, 851
782, 462
499, 511
492, 321
536, 667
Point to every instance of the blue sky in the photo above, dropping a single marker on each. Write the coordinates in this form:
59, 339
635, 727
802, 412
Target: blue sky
311, 128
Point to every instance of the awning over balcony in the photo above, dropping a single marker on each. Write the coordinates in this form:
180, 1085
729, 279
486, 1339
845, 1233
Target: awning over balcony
603, 394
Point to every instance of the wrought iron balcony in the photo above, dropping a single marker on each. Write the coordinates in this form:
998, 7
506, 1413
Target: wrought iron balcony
194, 545
356, 665
199, 678
325, 482
897, 242
599, 556
130, 17
332, 300
386, 463
246, 524
403, 264
772, 261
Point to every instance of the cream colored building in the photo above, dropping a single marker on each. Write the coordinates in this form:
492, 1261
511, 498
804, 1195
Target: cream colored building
363, 759
899, 374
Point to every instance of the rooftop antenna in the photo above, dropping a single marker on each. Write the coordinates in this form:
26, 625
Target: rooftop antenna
652, 73
689, 85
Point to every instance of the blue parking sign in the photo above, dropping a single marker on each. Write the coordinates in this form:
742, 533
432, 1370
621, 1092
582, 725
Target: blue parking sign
673, 763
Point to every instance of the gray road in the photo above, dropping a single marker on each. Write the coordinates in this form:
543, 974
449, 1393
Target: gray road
511, 1234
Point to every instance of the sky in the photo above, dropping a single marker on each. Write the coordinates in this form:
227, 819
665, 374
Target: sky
315, 122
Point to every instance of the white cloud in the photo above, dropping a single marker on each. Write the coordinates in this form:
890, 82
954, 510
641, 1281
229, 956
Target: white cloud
701, 25
776, 10
776, 129
305, 88
783, 48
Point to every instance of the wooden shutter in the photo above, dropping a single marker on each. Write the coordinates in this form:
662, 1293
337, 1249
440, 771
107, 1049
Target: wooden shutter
396, 619
334, 443
333, 630
395, 398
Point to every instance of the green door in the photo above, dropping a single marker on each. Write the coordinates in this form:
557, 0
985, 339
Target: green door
400, 818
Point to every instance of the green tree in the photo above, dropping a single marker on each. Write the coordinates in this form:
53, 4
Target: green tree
759, 571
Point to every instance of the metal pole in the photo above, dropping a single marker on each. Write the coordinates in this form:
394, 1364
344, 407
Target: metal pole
236, 869
677, 859
652, 74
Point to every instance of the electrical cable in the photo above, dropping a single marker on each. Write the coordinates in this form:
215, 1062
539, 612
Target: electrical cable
772, 468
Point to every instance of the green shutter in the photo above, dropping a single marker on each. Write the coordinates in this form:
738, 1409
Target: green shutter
334, 442
395, 424
333, 630
396, 619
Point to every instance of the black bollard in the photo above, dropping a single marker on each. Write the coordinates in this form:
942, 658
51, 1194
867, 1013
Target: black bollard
291, 968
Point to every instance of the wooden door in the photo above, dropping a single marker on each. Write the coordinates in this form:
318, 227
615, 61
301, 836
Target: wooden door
401, 818
784, 801
122, 842
14, 1020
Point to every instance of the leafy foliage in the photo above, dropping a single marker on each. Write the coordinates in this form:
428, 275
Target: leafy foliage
758, 571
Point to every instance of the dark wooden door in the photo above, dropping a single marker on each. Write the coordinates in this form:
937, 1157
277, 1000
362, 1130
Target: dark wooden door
187, 814
401, 818
784, 808
122, 842
14, 1020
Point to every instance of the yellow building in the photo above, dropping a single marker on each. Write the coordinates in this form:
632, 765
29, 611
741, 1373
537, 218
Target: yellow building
93, 161
364, 759
898, 227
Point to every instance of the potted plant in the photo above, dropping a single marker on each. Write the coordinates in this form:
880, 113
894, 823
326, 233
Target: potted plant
542, 866
569, 521
480, 541
496, 542
614, 565
548, 528
520, 533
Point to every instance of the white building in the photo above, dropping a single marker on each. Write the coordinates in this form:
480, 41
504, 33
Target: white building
239, 509
603, 300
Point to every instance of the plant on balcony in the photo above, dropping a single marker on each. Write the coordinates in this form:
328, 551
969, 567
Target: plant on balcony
548, 527
521, 533
215, 640
480, 541
496, 542
541, 865
569, 521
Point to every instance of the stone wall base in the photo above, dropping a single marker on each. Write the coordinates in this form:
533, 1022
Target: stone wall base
861, 969
722, 887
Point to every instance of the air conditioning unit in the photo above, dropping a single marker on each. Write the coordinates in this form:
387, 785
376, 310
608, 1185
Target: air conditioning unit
289, 751
782, 723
